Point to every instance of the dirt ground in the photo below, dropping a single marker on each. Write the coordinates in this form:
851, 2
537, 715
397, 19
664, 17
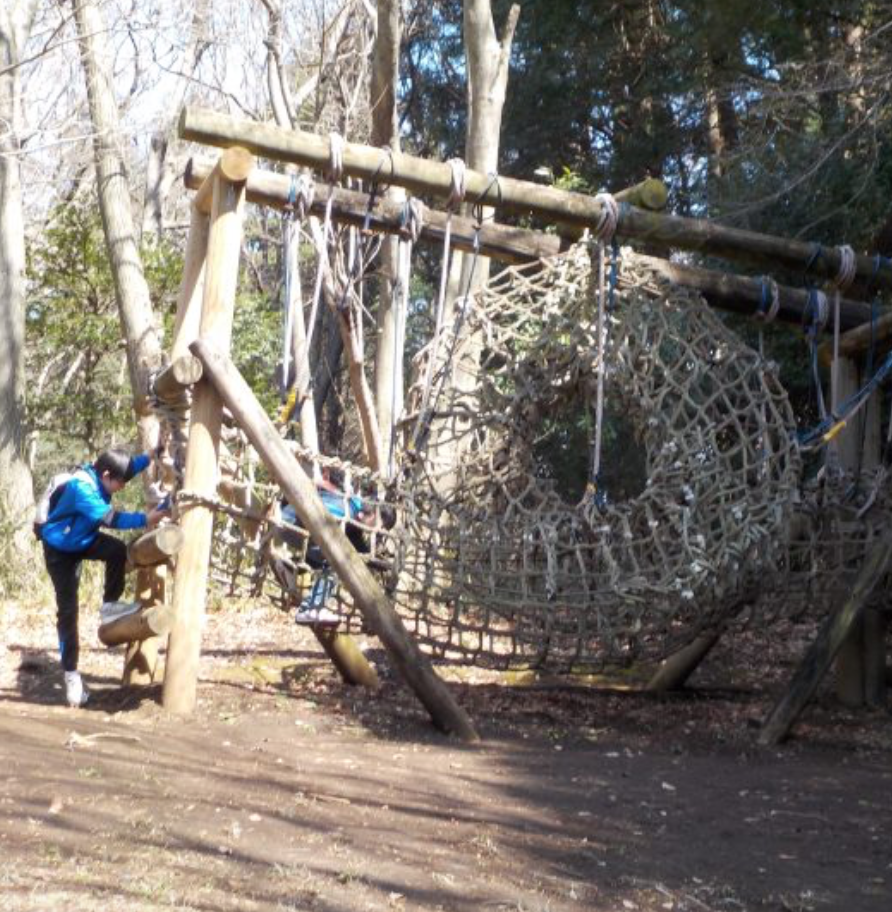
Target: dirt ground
288, 790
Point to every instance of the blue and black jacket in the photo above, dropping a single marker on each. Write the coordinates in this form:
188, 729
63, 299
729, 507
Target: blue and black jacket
84, 506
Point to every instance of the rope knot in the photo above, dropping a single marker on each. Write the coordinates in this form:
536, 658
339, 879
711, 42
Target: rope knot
301, 192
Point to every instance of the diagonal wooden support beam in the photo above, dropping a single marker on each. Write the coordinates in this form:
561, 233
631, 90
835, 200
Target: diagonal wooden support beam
829, 640
413, 665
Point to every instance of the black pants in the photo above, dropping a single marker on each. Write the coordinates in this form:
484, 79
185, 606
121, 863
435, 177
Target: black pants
65, 571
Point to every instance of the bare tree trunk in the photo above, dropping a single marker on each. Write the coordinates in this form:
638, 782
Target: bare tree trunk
385, 132
134, 304
488, 60
16, 498
160, 170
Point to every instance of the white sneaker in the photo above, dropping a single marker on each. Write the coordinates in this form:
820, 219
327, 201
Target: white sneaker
111, 611
76, 692
313, 615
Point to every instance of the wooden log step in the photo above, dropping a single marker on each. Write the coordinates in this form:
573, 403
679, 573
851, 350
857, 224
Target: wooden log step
136, 627
156, 547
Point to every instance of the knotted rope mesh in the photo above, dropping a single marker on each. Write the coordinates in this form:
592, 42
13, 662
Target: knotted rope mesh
498, 561
489, 561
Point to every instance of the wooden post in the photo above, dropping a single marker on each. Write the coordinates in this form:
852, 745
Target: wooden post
561, 206
190, 582
346, 656
827, 644
410, 661
188, 315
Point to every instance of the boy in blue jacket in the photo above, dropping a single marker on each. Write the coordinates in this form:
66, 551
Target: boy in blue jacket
71, 535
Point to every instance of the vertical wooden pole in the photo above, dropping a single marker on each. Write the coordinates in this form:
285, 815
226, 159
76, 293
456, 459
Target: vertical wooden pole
874, 620
188, 316
141, 659
190, 582
850, 659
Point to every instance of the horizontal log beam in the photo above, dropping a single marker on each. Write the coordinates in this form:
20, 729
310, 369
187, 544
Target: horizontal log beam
739, 294
859, 340
172, 383
501, 242
557, 206
743, 294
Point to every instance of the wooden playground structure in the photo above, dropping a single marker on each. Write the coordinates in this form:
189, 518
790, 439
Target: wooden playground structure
200, 376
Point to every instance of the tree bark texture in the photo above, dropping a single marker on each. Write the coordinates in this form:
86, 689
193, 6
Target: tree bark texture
121, 236
16, 498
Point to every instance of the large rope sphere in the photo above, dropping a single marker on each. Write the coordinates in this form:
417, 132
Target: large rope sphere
507, 556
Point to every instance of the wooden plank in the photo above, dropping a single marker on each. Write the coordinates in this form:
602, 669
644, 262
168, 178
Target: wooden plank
827, 644
523, 197
408, 659
190, 582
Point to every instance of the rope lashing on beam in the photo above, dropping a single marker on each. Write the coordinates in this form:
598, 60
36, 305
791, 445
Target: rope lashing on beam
336, 157
457, 171
605, 228
301, 193
769, 301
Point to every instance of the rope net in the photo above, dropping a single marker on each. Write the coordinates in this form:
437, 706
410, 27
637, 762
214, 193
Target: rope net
489, 561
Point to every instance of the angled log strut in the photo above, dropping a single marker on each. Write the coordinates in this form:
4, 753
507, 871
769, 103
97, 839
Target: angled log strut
557, 206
